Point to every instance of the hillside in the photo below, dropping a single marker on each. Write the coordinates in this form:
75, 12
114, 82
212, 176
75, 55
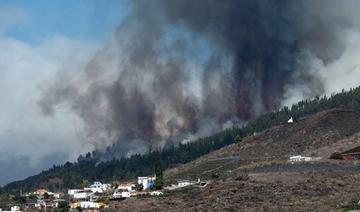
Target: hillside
254, 175
318, 121
308, 135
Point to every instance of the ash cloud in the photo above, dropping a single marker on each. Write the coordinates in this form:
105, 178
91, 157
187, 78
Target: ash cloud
179, 69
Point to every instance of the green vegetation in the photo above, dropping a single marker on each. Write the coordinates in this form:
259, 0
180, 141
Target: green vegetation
63, 206
238, 139
159, 180
139, 187
46, 195
88, 168
352, 204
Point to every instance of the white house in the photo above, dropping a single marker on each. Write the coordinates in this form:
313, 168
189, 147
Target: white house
121, 194
71, 192
57, 195
156, 193
84, 194
147, 182
89, 205
125, 194
126, 187
117, 194
98, 187
299, 158
40, 204
291, 120
15, 208
183, 183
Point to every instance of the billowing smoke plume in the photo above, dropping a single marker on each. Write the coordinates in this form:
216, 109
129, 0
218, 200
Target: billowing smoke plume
176, 70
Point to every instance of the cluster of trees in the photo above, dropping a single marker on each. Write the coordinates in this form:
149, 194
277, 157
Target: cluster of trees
89, 168
345, 99
159, 180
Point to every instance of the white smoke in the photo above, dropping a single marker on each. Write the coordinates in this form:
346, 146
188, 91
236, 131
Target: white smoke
29, 141
341, 73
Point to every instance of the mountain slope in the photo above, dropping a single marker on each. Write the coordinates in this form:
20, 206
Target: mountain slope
305, 136
254, 175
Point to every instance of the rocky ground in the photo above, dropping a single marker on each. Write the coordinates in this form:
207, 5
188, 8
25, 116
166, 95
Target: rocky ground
280, 191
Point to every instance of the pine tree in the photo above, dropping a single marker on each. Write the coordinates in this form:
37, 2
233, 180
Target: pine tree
238, 139
159, 180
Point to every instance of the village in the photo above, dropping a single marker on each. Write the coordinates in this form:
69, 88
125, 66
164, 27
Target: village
97, 196
101, 196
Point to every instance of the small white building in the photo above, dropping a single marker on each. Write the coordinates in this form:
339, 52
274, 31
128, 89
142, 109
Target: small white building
122, 194
89, 205
156, 193
83, 194
299, 158
291, 120
41, 192
98, 187
147, 182
117, 194
57, 195
125, 194
40, 204
71, 192
126, 187
15, 208
183, 183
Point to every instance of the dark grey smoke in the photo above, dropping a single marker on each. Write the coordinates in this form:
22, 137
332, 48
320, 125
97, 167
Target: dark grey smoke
179, 69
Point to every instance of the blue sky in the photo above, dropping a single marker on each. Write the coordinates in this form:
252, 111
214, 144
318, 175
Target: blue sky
39, 39
92, 20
